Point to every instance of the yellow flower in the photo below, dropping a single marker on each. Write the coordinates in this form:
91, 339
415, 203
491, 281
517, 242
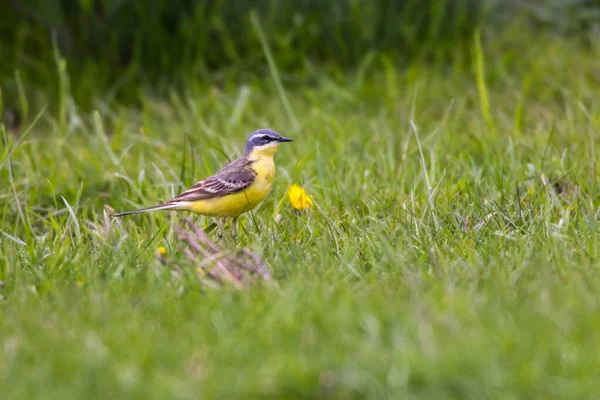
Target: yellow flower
161, 250
299, 199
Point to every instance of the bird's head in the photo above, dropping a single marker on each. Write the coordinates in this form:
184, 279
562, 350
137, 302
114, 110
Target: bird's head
264, 142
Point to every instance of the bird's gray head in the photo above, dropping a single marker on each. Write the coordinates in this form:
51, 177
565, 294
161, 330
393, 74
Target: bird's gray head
263, 139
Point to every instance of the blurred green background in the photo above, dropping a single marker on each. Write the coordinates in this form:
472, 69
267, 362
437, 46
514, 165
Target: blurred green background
117, 47
456, 259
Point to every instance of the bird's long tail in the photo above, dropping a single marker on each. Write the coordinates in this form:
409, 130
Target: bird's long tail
172, 206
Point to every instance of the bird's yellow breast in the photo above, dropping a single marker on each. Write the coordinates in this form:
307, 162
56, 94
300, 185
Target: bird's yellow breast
243, 201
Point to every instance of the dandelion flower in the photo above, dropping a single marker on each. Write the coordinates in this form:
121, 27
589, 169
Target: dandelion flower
161, 250
299, 199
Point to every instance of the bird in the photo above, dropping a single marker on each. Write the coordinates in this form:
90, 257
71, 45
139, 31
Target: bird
235, 189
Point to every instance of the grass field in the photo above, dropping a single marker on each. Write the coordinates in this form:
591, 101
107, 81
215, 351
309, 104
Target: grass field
463, 268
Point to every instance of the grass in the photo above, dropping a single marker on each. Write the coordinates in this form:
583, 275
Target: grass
113, 47
481, 284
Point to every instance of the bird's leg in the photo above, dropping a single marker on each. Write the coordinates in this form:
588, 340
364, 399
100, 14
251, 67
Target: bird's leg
221, 222
234, 227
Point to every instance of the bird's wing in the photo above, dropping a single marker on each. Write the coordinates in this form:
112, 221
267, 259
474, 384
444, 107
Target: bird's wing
234, 177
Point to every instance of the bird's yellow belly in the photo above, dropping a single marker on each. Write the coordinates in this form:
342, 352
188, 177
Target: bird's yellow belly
238, 203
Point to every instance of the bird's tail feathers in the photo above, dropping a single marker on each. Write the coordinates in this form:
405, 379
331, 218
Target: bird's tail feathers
167, 206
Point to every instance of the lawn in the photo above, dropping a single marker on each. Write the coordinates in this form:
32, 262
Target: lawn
455, 257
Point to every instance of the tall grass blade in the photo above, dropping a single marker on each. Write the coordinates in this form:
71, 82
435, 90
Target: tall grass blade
484, 101
12, 179
63, 84
99, 129
13, 238
430, 190
22, 137
73, 218
22, 96
273, 70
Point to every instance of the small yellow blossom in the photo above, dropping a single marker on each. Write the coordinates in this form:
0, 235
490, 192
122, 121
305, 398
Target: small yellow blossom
161, 250
299, 199
201, 271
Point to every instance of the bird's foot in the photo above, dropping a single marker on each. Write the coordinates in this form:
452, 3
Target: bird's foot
221, 223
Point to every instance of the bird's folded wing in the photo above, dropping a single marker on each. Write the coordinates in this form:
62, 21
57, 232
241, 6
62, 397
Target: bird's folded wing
224, 182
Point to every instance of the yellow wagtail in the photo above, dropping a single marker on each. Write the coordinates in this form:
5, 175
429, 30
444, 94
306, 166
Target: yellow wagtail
236, 188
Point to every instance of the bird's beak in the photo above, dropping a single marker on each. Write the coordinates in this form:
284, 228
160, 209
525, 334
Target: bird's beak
284, 139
